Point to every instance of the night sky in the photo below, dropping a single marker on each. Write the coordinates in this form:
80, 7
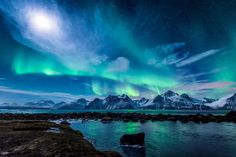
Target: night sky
66, 49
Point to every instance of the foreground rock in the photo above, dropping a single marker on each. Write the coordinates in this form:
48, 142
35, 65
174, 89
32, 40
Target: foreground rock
44, 139
133, 139
231, 116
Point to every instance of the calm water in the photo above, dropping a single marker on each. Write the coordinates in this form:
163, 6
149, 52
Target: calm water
164, 138
218, 112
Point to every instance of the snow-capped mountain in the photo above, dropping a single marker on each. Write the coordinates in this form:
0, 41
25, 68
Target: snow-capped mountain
209, 100
79, 104
227, 102
172, 100
167, 100
112, 102
96, 104
41, 104
9, 105
143, 102
231, 103
119, 102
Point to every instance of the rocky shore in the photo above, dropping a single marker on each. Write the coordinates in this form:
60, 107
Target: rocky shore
44, 139
126, 117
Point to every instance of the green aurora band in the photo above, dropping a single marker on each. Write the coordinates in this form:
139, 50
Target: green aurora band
120, 37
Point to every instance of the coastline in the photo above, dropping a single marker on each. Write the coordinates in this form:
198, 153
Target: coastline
126, 117
43, 138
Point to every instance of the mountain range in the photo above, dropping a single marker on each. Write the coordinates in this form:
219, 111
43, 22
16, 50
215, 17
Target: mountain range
167, 100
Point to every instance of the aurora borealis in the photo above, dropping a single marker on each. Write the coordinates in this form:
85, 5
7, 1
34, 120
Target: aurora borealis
71, 48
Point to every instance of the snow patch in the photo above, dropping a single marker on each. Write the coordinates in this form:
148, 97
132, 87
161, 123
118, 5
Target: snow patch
219, 103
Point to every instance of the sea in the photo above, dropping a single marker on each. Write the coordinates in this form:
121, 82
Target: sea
162, 138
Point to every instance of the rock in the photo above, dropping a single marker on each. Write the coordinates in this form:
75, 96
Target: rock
126, 120
143, 121
22, 139
133, 139
64, 122
172, 118
231, 116
106, 119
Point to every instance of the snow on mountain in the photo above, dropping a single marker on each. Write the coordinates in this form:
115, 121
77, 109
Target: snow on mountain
167, 100
119, 102
209, 100
95, 104
226, 102
143, 102
79, 104
172, 100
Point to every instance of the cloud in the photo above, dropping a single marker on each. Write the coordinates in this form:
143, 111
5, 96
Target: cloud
2, 79
194, 75
175, 57
121, 64
170, 48
166, 54
99, 59
151, 61
67, 43
41, 94
197, 57
205, 86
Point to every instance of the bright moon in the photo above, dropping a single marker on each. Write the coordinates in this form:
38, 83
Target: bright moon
42, 22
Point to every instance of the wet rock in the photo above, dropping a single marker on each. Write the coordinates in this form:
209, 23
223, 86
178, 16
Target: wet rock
133, 139
64, 122
106, 119
134, 120
231, 116
143, 121
126, 120
183, 119
171, 118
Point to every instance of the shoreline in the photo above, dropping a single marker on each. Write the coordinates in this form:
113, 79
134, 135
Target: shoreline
43, 139
125, 117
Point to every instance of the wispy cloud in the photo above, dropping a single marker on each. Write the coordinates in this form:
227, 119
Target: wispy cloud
197, 57
194, 75
2, 78
205, 86
41, 94
172, 53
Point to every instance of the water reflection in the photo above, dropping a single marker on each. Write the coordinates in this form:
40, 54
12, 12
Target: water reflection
164, 138
133, 151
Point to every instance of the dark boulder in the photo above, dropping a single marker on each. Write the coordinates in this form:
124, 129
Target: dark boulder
231, 116
106, 119
133, 139
64, 122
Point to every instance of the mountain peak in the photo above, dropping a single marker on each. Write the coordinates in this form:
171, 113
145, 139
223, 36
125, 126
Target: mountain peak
184, 95
170, 93
124, 96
